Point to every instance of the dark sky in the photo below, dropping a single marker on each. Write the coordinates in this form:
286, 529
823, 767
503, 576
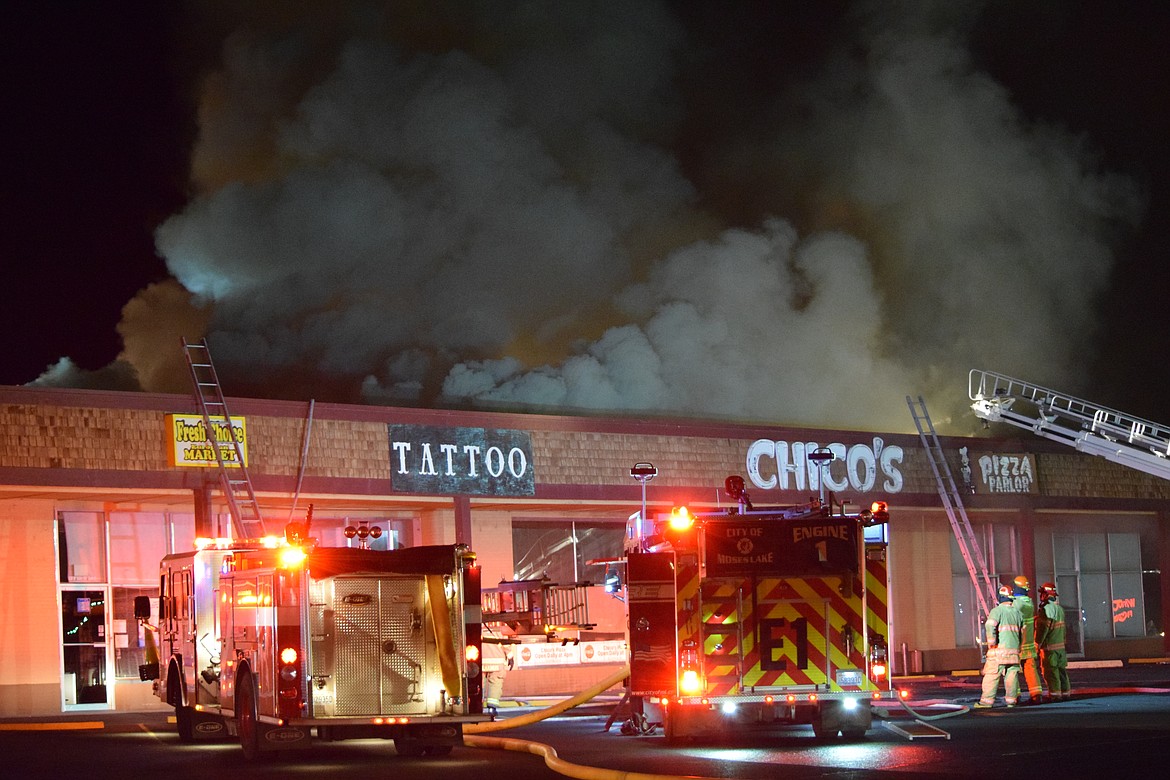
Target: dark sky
101, 125
97, 136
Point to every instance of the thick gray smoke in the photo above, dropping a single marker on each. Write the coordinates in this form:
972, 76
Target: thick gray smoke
484, 205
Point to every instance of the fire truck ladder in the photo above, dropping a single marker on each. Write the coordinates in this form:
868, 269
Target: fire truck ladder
985, 590
1092, 429
237, 485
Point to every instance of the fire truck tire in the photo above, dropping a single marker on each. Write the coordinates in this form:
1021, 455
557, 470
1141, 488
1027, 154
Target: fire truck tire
184, 723
854, 732
246, 714
409, 747
184, 716
821, 731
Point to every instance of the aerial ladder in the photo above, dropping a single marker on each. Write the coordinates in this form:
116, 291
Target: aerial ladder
247, 522
952, 500
1087, 427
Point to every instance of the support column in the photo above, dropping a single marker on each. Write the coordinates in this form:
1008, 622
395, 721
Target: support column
1163, 518
1027, 536
204, 511
463, 521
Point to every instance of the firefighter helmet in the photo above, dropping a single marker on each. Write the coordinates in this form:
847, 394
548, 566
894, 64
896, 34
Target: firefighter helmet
1005, 593
1021, 585
1048, 591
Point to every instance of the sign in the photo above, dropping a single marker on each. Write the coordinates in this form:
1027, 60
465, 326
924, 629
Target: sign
476, 461
1006, 474
546, 654
531, 654
786, 465
778, 547
610, 651
189, 445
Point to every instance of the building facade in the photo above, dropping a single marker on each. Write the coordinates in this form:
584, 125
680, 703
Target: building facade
95, 487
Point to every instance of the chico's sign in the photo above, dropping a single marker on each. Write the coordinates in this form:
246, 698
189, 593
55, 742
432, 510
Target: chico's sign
785, 465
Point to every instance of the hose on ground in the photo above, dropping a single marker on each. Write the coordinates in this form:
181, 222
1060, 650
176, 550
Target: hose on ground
962, 710
550, 711
562, 767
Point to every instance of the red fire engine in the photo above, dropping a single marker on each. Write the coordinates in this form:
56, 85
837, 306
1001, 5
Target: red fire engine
759, 616
278, 641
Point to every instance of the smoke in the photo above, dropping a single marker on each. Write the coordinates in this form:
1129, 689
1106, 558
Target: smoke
505, 205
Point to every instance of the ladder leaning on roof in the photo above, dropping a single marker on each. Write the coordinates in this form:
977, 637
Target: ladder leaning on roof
984, 588
1092, 429
237, 487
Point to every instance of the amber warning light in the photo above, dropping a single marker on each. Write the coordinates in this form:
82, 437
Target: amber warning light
681, 519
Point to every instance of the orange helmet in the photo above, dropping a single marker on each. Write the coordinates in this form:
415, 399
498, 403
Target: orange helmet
1021, 585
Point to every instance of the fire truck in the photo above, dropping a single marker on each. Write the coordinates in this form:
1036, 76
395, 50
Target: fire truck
758, 617
278, 642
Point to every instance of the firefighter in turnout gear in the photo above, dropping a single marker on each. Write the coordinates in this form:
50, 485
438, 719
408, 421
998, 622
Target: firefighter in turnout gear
1029, 657
1002, 630
1050, 641
497, 660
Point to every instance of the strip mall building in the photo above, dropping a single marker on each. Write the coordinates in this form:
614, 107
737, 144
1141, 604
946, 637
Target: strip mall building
95, 487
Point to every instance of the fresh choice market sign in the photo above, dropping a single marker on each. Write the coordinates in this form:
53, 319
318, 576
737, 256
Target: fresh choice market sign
188, 442
785, 465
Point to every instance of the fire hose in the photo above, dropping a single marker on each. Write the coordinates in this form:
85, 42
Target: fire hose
551, 759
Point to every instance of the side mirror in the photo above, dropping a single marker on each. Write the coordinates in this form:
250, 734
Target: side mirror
142, 607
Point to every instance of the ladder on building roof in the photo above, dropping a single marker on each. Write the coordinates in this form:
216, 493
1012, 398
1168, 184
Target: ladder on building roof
247, 522
1087, 427
985, 589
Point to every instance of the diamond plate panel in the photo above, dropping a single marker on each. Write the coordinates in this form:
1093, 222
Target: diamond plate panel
369, 646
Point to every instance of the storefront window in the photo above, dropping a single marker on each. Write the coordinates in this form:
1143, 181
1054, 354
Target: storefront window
561, 549
81, 545
1100, 579
1002, 563
129, 637
138, 541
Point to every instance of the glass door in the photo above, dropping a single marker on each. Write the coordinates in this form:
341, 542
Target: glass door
83, 645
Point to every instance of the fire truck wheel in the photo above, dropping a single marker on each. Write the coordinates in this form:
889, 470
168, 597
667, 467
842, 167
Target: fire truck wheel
247, 715
184, 716
409, 747
184, 723
821, 731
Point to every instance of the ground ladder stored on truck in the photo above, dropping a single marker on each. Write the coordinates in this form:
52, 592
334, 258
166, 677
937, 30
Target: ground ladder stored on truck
953, 504
1087, 427
234, 480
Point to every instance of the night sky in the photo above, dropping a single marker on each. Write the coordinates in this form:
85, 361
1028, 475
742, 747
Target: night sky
789, 214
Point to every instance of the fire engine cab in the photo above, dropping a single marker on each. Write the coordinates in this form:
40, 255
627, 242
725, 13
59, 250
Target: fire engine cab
277, 641
753, 617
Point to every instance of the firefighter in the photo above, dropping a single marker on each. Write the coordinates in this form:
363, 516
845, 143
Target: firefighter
497, 660
1029, 657
1002, 631
1050, 640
